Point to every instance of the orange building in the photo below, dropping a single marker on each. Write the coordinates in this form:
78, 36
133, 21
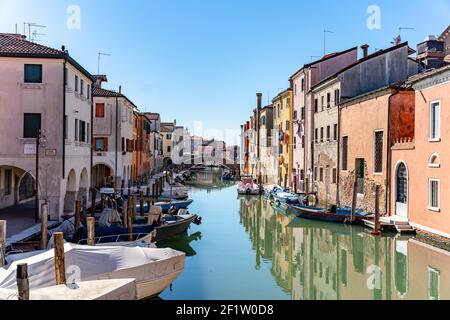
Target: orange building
420, 173
143, 151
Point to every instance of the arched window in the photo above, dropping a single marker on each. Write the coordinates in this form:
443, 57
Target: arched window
434, 161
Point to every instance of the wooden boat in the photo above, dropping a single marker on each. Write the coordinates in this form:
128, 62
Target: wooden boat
166, 205
174, 226
113, 290
341, 215
153, 269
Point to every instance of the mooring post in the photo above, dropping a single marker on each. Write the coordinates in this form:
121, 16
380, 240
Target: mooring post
125, 212
377, 230
354, 200
77, 215
153, 193
2, 242
60, 267
148, 197
130, 220
91, 231
307, 190
23, 284
141, 203
84, 206
44, 225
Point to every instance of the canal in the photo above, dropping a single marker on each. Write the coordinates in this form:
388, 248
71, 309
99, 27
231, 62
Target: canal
246, 249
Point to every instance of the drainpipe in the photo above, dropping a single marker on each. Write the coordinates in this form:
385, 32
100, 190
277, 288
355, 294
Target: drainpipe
338, 167
64, 120
117, 144
305, 126
388, 154
92, 135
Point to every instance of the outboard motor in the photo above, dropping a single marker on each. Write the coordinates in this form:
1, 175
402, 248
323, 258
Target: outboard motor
198, 221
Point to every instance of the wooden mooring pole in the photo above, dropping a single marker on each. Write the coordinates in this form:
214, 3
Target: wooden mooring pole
149, 202
2, 242
130, 215
125, 212
354, 199
91, 231
23, 284
141, 203
307, 190
60, 267
377, 230
44, 225
153, 193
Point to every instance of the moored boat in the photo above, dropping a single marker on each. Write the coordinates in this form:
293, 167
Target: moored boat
153, 269
341, 215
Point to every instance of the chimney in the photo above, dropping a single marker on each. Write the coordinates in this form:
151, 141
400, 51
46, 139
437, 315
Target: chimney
365, 49
99, 79
120, 89
259, 100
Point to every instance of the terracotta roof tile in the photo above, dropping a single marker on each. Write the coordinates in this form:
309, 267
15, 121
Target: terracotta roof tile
16, 44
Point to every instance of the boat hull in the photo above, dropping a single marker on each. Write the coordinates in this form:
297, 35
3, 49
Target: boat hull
321, 215
170, 230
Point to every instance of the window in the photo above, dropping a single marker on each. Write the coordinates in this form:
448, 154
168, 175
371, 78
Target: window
378, 152
321, 174
316, 135
323, 103
315, 173
303, 113
76, 129
101, 144
33, 73
8, 182
337, 97
433, 283
76, 83
328, 100
88, 93
328, 133
287, 125
295, 142
31, 125
302, 175
434, 196
335, 132
316, 105
321, 134
303, 142
435, 121
88, 133
169, 137
295, 89
344, 153
99, 110
169, 149
360, 174
81, 86
303, 84
334, 175
82, 131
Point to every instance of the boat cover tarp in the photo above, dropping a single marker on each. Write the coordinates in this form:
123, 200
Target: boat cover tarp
89, 261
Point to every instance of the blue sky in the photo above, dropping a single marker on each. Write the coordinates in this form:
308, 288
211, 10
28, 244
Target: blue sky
199, 60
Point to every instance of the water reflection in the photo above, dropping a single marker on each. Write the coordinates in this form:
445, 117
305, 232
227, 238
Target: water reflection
209, 180
182, 243
321, 261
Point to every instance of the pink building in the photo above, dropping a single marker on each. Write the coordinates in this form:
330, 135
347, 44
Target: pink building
303, 110
45, 89
420, 171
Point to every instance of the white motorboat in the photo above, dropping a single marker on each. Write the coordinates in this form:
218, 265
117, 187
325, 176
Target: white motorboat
113, 290
153, 269
247, 187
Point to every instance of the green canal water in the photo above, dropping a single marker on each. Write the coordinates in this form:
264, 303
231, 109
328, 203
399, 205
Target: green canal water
246, 249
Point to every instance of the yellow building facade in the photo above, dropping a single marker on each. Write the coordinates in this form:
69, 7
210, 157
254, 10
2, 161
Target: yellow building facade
282, 111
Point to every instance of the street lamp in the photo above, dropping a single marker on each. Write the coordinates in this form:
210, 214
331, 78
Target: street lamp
41, 141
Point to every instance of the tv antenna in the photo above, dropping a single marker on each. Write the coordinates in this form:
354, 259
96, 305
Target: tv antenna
31, 24
100, 54
325, 40
35, 36
398, 39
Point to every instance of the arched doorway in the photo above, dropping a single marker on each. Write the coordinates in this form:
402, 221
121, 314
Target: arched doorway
71, 192
102, 176
401, 190
84, 184
17, 187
